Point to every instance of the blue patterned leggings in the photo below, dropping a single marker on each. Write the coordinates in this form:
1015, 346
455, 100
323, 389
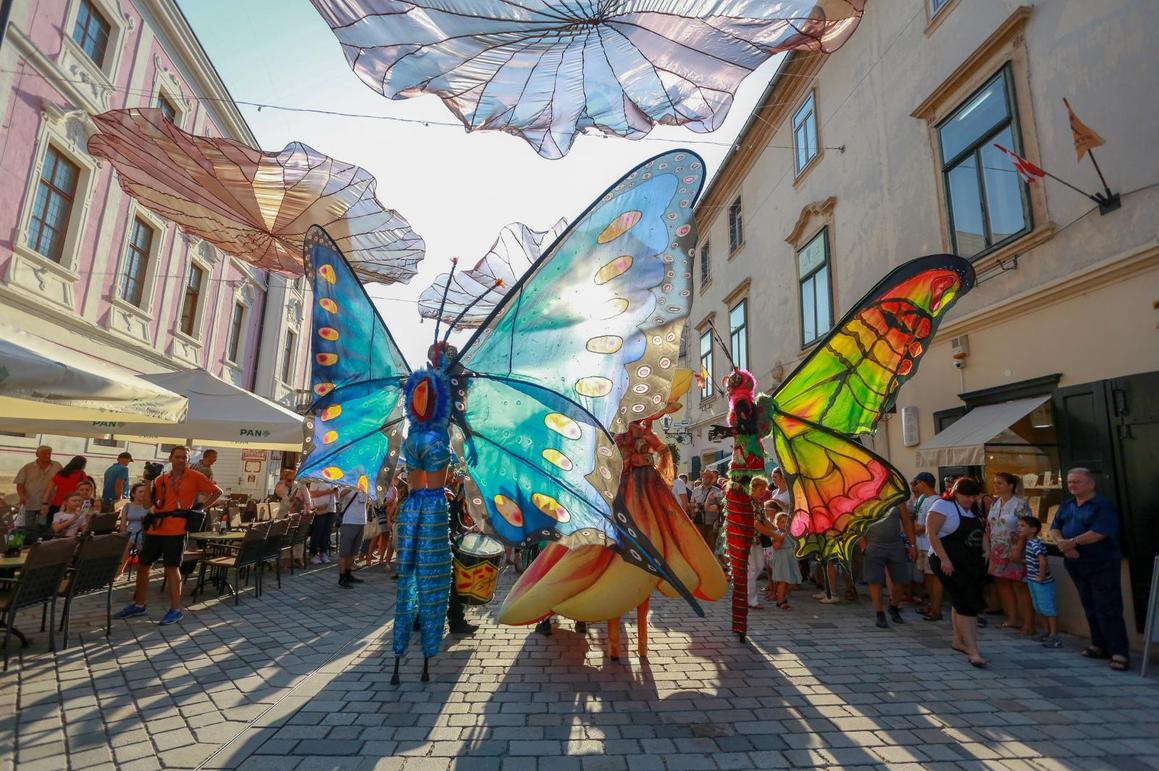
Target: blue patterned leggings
424, 570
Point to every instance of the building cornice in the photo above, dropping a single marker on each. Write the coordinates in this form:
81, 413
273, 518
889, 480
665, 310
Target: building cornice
1113, 270
172, 24
797, 71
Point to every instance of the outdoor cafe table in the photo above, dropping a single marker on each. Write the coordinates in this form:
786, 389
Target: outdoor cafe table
9, 566
211, 537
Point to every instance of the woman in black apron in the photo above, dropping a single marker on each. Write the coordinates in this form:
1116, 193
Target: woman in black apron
955, 534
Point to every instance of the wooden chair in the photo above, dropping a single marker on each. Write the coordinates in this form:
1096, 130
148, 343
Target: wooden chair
249, 554
94, 569
36, 584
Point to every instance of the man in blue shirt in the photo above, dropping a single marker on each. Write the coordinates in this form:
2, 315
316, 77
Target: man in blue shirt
116, 482
1086, 530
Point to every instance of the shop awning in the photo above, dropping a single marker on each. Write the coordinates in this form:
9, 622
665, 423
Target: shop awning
220, 415
45, 380
964, 442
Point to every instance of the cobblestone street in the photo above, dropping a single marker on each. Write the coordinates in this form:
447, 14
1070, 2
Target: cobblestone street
299, 679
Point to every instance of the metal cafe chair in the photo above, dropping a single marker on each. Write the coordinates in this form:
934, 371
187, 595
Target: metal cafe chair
249, 553
94, 569
273, 551
36, 583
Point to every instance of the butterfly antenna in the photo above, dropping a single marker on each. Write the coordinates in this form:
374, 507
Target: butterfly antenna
443, 302
497, 285
723, 347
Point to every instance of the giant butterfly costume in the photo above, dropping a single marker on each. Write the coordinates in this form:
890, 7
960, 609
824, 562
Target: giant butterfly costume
584, 343
840, 391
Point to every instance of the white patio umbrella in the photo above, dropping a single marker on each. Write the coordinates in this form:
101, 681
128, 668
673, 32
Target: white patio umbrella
44, 380
220, 415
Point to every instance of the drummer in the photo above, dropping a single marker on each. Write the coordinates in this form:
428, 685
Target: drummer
457, 503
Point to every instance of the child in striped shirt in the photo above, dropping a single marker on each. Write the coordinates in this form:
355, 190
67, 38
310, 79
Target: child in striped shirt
1038, 578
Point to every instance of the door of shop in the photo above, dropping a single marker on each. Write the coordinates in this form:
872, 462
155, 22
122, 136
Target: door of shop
1112, 428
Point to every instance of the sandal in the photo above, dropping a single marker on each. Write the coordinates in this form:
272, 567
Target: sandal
1120, 663
978, 662
959, 650
1092, 652
783, 605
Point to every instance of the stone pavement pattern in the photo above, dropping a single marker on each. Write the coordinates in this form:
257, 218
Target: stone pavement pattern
300, 679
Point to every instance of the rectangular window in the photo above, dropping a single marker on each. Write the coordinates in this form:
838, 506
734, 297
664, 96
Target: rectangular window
236, 324
805, 134
136, 263
735, 227
291, 345
191, 300
52, 206
166, 107
91, 32
705, 263
738, 336
813, 274
988, 202
706, 364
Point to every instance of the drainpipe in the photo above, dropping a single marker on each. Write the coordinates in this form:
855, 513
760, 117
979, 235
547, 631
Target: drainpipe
5, 12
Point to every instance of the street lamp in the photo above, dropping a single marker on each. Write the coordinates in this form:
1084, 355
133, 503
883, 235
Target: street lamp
677, 432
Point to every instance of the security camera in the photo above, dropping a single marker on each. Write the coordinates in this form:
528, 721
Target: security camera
959, 363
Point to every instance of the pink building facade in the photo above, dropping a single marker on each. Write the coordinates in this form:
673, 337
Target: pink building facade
80, 261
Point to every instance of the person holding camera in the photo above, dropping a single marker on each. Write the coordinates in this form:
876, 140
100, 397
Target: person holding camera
171, 498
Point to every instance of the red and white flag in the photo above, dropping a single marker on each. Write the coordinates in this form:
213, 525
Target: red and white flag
1028, 170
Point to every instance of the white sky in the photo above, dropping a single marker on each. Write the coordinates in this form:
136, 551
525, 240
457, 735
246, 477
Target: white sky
456, 189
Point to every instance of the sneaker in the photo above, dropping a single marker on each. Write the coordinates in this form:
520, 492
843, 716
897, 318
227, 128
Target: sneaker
326, 559
354, 579
132, 609
881, 623
983, 622
172, 616
544, 627
1052, 642
316, 559
344, 583
581, 627
820, 596
895, 616
1042, 637
834, 600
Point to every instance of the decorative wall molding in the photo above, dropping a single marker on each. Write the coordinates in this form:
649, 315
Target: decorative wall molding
821, 209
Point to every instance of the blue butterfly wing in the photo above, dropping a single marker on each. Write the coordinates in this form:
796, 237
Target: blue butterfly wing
355, 426
587, 341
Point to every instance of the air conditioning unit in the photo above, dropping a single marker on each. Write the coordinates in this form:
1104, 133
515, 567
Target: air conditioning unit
910, 434
960, 346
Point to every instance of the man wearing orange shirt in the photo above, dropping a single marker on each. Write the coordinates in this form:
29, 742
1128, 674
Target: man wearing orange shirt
170, 499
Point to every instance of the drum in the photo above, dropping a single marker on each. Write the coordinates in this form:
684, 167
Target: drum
476, 559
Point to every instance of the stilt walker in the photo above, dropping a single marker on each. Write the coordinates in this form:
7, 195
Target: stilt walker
748, 460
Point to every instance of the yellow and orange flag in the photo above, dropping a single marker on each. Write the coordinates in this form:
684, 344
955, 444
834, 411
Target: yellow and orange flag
1085, 139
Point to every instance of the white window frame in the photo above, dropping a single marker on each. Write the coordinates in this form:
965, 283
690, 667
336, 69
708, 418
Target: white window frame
735, 226
809, 103
166, 84
71, 54
30, 269
236, 360
741, 358
827, 265
707, 391
198, 315
287, 368
138, 212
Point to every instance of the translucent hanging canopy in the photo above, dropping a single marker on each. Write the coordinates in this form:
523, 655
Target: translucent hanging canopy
256, 205
546, 70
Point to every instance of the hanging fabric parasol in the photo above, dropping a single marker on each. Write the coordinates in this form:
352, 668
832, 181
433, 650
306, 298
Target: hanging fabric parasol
548, 69
255, 205
476, 291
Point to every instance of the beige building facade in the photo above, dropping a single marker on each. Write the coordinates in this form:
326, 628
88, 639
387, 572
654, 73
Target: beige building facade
856, 162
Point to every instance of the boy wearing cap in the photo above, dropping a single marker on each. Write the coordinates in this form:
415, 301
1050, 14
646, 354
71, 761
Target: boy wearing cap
925, 493
116, 484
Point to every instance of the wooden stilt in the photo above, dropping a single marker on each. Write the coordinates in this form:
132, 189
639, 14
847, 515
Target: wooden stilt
642, 629
614, 638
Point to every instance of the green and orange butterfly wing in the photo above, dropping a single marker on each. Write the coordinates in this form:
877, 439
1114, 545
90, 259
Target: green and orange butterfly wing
838, 486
